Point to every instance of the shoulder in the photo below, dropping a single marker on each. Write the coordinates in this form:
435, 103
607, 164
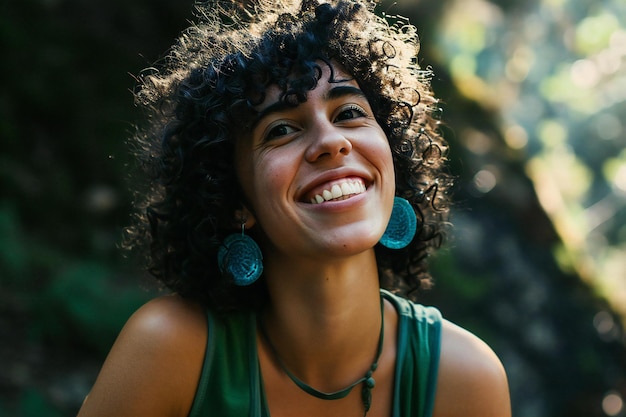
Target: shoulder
165, 319
159, 355
472, 380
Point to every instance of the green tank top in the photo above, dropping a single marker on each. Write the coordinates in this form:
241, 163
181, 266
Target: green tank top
231, 386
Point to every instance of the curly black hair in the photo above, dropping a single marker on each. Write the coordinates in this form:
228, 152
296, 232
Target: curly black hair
203, 94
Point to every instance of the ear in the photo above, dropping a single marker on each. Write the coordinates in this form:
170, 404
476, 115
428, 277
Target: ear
246, 217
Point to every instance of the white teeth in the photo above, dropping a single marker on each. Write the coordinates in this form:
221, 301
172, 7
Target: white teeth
345, 189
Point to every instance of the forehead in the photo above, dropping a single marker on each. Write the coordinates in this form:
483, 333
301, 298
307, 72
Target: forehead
328, 76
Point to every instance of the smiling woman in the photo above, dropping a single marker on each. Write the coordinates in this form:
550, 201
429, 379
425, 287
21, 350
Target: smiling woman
296, 186
215, 86
310, 151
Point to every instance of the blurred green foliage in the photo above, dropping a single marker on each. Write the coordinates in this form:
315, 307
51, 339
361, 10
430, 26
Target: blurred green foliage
555, 73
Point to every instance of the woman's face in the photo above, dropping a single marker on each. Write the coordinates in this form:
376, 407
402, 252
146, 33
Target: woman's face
318, 178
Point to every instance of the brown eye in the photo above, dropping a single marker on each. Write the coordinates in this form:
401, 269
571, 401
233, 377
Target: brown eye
352, 112
279, 131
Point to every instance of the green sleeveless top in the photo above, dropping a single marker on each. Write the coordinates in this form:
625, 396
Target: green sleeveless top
231, 386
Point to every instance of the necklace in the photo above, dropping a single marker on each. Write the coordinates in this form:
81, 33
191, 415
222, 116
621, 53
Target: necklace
367, 380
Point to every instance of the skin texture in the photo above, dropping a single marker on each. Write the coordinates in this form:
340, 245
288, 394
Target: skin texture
296, 153
314, 254
142, 365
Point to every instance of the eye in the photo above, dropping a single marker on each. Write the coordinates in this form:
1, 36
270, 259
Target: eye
351, 112
279, 131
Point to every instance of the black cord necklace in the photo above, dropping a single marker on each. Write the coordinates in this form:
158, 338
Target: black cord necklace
367, 380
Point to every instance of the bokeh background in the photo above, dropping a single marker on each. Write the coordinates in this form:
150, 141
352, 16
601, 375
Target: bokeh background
534, 106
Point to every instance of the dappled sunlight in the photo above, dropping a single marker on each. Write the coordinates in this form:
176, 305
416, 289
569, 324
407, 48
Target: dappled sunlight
613, 404
556, 73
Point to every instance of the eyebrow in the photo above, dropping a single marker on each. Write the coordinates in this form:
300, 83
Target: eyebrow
332, 94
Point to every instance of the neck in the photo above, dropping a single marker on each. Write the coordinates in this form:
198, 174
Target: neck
321, 283
324, 321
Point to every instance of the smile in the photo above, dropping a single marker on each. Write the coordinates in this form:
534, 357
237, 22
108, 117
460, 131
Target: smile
339, 191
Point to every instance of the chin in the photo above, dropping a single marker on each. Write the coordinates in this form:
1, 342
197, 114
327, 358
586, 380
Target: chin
354, 244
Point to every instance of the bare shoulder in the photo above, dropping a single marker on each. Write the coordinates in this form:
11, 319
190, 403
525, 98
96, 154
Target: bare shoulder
472, 380
157, 355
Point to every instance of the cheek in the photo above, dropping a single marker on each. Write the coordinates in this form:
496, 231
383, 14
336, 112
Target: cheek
269, 184
382, 152
279, 167
385, 162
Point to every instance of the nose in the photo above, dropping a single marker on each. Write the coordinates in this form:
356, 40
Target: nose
327, 142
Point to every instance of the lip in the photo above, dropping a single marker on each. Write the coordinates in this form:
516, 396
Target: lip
329, 177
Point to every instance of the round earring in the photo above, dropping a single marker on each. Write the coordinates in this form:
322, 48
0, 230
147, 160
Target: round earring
240, 258
402, 225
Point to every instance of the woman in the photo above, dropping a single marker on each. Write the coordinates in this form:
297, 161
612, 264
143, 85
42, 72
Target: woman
295, 170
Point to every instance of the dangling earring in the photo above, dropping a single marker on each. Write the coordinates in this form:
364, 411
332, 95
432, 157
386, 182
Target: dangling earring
402, 225
240, 258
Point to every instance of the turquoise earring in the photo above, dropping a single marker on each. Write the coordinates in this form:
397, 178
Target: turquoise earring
240, 258
402, 225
